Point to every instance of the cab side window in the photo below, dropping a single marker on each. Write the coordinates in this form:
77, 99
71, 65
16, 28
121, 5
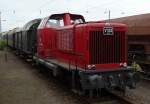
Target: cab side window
77, 21
61, 22
52, 23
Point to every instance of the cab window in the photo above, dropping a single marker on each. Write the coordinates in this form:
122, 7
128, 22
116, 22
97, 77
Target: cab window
53, 23
61, 22
76, 21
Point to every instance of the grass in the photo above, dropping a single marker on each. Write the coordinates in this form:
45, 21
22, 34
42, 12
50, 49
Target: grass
2, 44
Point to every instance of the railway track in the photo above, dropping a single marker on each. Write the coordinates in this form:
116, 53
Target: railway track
145, 76
112, 97
146, 79
125, 99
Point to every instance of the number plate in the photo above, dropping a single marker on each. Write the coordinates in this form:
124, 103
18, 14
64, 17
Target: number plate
108, 31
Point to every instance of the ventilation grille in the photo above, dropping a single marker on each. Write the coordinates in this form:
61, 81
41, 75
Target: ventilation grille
106, 49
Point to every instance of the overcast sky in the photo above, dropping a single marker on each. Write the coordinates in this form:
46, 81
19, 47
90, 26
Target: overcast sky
18, 12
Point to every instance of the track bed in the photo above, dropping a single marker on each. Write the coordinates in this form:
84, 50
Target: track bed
23, 83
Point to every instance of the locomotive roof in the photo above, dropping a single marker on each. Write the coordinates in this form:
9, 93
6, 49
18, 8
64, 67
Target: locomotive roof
137, 24
73, 16
30, 23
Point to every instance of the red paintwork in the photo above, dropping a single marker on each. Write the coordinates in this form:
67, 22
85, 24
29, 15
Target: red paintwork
107, 66
51, 45
67, 20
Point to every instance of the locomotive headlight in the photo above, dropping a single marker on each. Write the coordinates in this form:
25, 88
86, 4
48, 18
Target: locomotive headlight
124, 64
91, 67
121, 64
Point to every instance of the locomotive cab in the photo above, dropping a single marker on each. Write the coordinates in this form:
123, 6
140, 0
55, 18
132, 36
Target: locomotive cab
96, 52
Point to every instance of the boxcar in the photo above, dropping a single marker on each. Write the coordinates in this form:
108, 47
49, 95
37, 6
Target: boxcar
19, 45
138, 38
11, 39
28, 37
5, 36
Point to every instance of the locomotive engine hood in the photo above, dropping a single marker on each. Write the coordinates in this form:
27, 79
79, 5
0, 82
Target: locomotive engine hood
106, 45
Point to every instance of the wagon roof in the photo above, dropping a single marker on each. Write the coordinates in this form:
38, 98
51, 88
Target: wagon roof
13, 30
137, 24
30, 23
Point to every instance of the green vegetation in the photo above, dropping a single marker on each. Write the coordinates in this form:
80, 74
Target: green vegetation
2, 44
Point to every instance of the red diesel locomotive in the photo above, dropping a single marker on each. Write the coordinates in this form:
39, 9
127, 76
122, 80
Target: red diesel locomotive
94, 54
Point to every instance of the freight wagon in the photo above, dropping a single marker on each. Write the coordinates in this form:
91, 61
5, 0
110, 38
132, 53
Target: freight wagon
138, 39
23, 40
